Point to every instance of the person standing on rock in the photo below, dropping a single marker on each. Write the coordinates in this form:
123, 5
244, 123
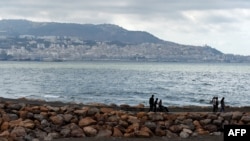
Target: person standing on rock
151, 103
222, 105
215, 104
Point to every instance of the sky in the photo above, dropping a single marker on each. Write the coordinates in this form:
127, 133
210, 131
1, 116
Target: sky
221, 24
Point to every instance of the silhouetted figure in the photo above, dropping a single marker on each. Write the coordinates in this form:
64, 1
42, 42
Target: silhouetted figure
215, 104
161, 107
151, 103
155, 104
222, 104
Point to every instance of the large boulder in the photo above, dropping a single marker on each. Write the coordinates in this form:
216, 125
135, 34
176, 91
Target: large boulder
104, 133
92, 111
86, 121
18, 132
57, 119
90, 131
117, 132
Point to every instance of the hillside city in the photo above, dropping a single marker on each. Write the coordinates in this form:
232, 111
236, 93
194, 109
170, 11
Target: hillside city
57, 48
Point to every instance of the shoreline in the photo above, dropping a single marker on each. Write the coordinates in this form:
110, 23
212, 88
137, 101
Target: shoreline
126, 107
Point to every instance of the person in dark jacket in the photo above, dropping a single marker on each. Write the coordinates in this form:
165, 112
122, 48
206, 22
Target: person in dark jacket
151, 103
216, 104
222, 105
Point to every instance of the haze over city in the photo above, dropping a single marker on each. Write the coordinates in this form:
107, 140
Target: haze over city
222, 24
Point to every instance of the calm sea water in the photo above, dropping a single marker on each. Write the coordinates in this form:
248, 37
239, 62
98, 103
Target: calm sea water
177, 84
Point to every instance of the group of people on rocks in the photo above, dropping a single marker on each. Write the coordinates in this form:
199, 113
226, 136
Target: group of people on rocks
156, 106
215, 103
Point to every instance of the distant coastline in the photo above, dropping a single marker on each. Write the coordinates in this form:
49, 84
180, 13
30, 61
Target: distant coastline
33, 41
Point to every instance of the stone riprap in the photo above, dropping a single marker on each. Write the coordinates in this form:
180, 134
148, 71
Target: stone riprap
19, 121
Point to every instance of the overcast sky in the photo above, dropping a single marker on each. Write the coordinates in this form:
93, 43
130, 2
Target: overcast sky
221, 24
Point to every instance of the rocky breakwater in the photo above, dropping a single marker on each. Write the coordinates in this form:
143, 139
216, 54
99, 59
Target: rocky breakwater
19, 121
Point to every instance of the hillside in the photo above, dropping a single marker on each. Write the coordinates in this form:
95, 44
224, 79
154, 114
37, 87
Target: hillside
101, 32
26, 40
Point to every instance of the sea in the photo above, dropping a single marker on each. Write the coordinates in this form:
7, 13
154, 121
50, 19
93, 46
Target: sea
132, 83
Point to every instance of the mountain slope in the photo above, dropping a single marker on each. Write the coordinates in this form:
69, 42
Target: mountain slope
102, 32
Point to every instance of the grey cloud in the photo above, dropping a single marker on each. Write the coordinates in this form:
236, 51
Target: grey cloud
219, 19
134, 7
